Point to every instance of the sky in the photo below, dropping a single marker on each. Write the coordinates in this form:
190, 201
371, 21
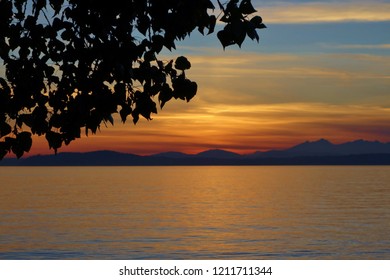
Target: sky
321, 70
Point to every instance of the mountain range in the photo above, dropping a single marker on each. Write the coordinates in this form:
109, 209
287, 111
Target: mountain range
321, 152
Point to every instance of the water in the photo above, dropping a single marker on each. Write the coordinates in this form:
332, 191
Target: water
259, 212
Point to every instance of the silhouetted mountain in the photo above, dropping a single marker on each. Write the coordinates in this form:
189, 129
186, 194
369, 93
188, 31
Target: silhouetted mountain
89, 158
214, 153
320, 147
321, 152
368, 147
171, 155
323, 147
220, 154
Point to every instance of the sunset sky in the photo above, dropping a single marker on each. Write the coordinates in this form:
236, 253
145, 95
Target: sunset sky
321, 70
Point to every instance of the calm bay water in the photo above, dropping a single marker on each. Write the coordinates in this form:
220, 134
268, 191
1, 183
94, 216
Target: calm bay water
259, 212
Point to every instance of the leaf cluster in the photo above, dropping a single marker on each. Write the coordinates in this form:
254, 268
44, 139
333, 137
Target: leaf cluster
71, 65
238, 24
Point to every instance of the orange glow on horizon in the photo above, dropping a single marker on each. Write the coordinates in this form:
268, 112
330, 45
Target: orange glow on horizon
242, 129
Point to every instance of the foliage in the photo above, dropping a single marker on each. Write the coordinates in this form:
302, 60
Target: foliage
70, 65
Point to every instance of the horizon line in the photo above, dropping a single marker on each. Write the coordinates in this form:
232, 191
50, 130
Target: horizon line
50, 152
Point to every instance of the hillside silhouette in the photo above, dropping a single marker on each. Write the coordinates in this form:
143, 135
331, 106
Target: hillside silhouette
321, 152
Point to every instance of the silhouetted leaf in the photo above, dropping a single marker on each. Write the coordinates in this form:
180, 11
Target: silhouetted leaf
93, 121
54, 139
24, 141
169, 42
191, 90
17, 150
231, 6
225, 18
4, 149
210, 5
110, 119
226, 38
124, 112
56, 5
5, 129
182, 63
27, 119
149, 56
165, 95
247, 8
135, 116
4, 87
212, 23
49, 71
56, 121
38, 5
143, 24
120, 91
257, 22
39, 125
251, 32
184, 89
239, 32
157, 43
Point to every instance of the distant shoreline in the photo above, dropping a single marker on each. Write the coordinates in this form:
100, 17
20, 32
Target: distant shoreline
117, 159
321, 152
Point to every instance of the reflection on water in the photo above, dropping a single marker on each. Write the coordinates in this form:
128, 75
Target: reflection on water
195, 212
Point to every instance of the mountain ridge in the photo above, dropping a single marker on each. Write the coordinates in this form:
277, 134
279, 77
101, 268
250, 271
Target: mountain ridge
323, 147
317, 152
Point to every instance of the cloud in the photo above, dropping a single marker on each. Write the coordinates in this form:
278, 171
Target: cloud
357, 46
322, 12
274, 78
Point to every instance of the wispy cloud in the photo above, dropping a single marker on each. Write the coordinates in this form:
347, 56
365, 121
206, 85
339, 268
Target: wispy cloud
358, 46
322, 12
